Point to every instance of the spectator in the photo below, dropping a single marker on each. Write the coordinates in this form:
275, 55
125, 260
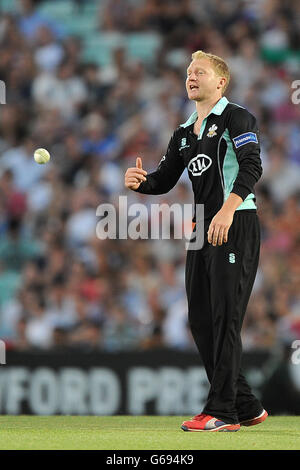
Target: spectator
23, 167
38, 330
31, 20
65, 91
16, 250
48, 54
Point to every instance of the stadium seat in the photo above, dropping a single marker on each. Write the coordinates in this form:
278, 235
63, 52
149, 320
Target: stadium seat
98, 47
57, 10
80, 25
79, 22
143, 46
9, 6
277, 56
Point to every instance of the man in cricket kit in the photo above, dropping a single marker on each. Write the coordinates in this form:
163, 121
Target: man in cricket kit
219, 146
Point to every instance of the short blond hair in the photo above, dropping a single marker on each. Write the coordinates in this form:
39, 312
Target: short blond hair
219, 65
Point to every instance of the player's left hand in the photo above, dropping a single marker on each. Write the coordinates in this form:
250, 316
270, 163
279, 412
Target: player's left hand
219, 227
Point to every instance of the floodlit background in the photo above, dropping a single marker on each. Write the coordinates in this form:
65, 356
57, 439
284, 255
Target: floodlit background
99, 83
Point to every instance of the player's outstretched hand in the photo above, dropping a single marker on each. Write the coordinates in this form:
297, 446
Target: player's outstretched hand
135, 176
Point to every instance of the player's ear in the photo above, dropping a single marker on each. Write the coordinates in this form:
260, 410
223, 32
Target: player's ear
222, 83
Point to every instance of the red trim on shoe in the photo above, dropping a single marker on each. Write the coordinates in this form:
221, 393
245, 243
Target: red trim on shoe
252, 422
199, 417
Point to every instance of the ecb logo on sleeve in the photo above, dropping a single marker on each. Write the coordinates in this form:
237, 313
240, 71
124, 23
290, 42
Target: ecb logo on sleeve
199, 164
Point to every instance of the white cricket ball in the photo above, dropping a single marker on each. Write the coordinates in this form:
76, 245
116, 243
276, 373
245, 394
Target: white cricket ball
41, 156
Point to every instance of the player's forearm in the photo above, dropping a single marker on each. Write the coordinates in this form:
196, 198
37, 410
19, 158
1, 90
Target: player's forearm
157, 183
232, 203
250, 171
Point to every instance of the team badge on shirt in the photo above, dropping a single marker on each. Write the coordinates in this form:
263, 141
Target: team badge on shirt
212, 131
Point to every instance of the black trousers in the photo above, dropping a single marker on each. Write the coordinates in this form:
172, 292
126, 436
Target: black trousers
219, 281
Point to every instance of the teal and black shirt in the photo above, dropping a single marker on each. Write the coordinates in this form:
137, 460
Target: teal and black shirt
223, 158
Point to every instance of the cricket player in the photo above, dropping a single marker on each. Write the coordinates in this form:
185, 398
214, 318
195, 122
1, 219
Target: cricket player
219, 146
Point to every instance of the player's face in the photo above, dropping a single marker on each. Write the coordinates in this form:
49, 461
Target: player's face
201, 81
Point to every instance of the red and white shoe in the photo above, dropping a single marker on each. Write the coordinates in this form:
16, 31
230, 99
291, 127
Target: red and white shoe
207, 423
256, 420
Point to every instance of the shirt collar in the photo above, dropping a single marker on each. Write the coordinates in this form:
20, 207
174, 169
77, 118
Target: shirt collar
217, 109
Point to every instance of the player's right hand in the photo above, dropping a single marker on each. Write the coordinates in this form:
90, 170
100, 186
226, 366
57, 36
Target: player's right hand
135, 176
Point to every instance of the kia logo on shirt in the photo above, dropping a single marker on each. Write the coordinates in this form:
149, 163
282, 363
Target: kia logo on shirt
199, 164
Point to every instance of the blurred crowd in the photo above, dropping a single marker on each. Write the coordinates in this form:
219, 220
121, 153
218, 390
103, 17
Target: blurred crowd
60, 285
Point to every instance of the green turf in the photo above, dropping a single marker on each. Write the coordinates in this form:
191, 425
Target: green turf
140, 432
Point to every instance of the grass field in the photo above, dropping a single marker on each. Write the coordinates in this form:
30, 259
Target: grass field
140, 432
